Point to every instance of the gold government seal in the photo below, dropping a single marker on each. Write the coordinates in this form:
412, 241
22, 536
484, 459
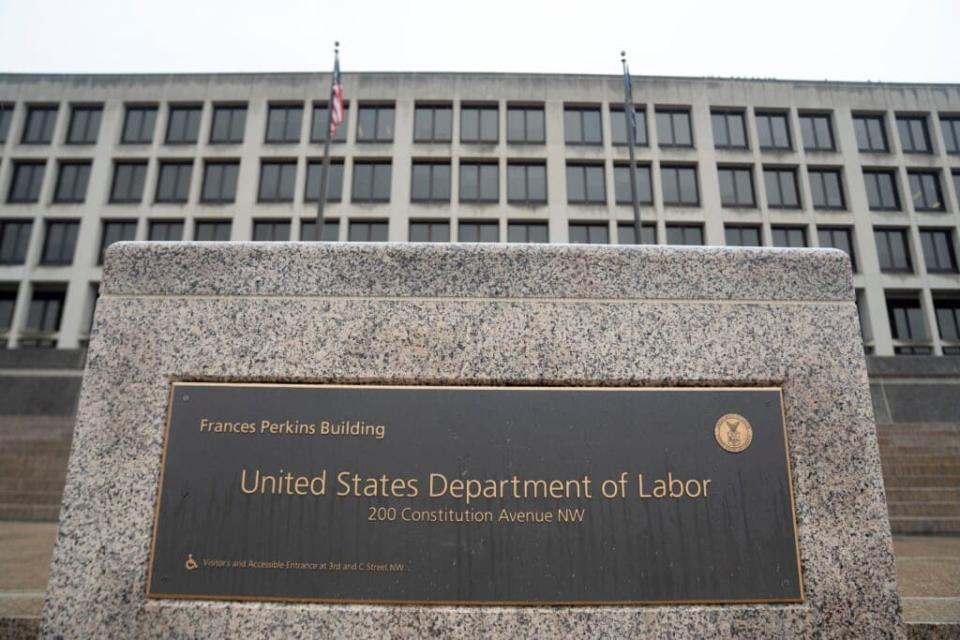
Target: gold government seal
733, 432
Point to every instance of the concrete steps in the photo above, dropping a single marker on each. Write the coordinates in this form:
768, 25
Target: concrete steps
34, 451
921, 471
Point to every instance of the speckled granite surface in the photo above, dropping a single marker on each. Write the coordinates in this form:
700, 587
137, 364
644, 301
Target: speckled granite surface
473, 315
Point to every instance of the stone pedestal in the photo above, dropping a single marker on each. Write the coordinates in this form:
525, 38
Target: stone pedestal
477, 315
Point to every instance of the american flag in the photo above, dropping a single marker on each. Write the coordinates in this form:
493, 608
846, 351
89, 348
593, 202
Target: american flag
336, 99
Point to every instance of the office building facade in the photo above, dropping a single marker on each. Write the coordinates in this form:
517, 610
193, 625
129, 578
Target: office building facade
873, 169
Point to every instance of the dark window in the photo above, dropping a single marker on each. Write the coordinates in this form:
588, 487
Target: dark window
478, 231
679, 186
59, 242
686, 234
371, 182
84, 124
375, 124
271, 230
128, 181
8, 300
736, 187
586, 184
526, 183
14, 240
6, 116
334, 181
773, 131
277, 179
38, 129
581, 125
729, 130
838, 238
882, 193
115, 231
183, 127
618, 127
951, 133
621, 184
789, 236
220, 181
781, 187
627, 233
525, 125
893, 250
531, 232
165, 230
479, 182
26, 182
429, 231
433, 123
284, 122
939, 253
229, 122
364, 231
673, 128
914, 136
925, 190
871, 133
212, 231
138, 125
947, 308
173, 184
308, 230
817, 132
826, 189
46, 309
906, 317
589, 233
479, 124
72, 182
431, 182
319, 125
742, 236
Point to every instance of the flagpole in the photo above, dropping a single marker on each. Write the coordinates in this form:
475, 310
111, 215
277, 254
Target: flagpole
630, 122
325, 168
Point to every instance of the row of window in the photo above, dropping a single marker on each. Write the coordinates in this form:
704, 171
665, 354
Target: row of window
904, 312
893, 243
480, 123
480, 182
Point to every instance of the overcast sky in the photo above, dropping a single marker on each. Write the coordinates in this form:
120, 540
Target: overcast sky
880, 40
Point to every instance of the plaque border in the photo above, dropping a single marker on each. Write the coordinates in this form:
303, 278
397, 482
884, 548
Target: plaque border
469, 603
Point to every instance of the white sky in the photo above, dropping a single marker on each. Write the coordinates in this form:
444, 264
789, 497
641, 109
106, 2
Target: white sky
880, 40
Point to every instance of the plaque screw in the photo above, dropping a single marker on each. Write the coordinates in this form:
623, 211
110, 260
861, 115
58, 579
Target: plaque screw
186, 397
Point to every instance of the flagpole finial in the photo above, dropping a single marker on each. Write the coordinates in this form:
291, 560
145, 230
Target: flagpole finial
623, 56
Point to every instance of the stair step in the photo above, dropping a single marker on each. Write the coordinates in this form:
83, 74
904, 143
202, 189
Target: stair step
923, 469
932, 509
923, 494
31, 497
925, 525
948, 481
29, 512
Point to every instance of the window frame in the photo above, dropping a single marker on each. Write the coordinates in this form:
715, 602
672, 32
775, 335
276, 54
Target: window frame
193, 118
787, 230
76, 167
275, 224
726, 114
157, 222
625, 228
818, 145
233, 108
287, 136
617, 114
668, 167
735, 169
908, 119
847, 232
621, 168
466, 165
921, 175
91, 127
951, 249
950, 130
525, 109
49, 113
768, 114
527, 165
866, 118
379, 109
580, 112
222, 165
887, 233
433, 182
873, 175
320, 109
740, 229
480, 226
217, 224
283, 167
370, 226
334, 186
780, 171
821, 174
527, 226
431, 225
20, 243
433, 110
71, 232
180, 166
147, 112
588, 227
583, 169
672, 113
684, 228
480, 109
376, 165
139, 164
38, 173
103, 244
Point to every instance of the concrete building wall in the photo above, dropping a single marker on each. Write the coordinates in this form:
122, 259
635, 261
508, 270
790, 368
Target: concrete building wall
554, 93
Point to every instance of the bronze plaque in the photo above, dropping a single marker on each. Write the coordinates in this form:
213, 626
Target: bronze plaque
475, 495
